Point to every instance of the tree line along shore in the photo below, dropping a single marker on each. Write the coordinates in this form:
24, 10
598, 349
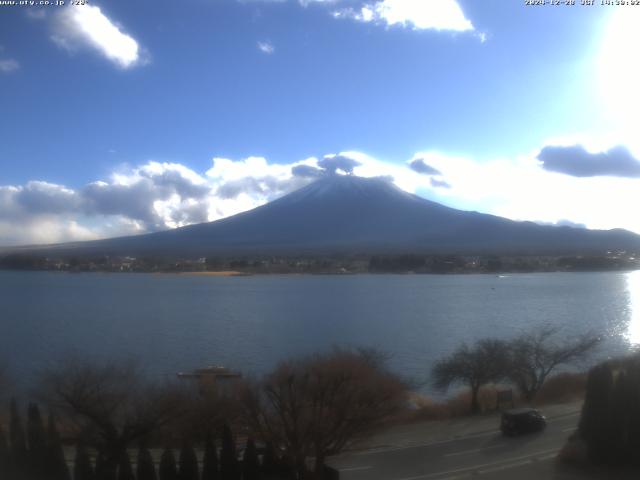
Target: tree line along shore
327, 264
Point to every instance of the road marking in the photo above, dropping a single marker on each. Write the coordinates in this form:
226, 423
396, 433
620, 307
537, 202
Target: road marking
355, 469
572, 429
506, 466
475, 450
529, 457
517, 464
565, 415
428, 444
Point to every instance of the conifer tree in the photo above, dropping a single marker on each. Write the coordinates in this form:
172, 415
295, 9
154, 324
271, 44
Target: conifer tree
82, 468
36, 439
125, 472
56, 463
106, 468
269, 460
17, 438
188, 463
622, 418
145, 469
610, 421
229, 469
99, 468
4, 455
633, 374
250, 462
210, 460
594, 423
168, 470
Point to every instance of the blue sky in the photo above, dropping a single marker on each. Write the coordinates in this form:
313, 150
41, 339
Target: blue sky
125, 117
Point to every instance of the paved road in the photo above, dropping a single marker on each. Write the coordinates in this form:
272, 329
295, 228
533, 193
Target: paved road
485, 454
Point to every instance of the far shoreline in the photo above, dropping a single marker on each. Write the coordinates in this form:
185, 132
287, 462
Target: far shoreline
233, 273
222, 273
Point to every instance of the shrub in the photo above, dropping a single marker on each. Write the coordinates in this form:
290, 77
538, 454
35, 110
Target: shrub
610, 420
563, 387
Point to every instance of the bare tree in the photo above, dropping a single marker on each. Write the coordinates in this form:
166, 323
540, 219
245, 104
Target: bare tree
474, 366
110, 405
209, 409
534, 355
317, 406
5, 381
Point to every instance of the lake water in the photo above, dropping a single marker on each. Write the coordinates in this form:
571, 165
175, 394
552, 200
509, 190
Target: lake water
179, 322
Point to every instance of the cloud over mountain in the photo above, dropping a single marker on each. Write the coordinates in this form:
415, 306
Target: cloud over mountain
307, 171
160, 195
438, 183
332, 163
154, 196
578, 162
419, 165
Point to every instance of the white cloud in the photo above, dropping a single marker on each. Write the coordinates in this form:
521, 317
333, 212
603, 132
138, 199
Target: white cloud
85, 25
415, 14
241, 185
36, 14
150, 197
520, 189
8, 65
266, 47
156, 196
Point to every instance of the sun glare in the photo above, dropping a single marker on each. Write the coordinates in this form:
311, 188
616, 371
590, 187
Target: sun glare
633, 289
619, 70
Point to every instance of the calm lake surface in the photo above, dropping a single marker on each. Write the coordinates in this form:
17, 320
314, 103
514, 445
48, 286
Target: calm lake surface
178, 322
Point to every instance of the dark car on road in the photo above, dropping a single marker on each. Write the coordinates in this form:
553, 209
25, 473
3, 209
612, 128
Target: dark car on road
522, 420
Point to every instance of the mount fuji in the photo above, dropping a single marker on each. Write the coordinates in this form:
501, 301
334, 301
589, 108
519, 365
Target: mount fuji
350, 214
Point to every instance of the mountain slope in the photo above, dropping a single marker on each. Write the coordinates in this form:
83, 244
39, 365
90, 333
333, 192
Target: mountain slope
354, 214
